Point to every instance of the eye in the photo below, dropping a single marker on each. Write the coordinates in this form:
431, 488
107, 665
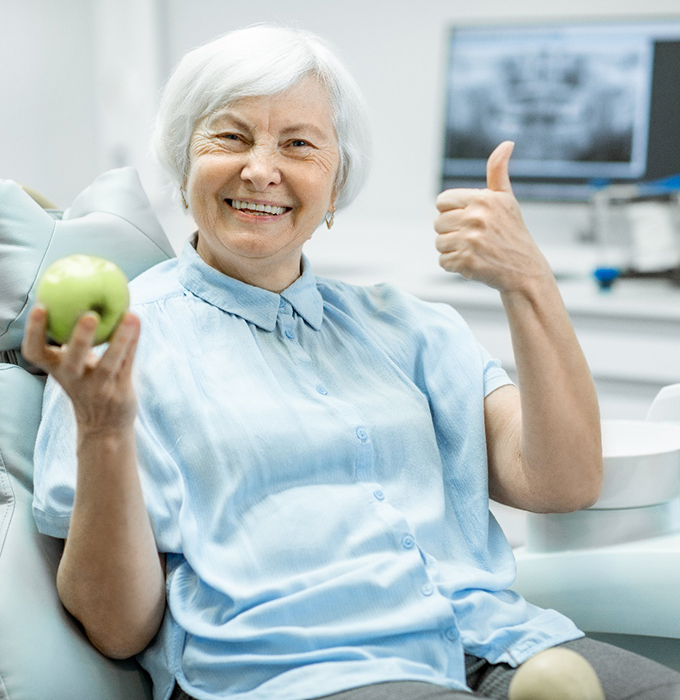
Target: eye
233, 141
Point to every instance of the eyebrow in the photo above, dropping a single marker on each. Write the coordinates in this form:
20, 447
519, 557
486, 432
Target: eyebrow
304, 127
216, 118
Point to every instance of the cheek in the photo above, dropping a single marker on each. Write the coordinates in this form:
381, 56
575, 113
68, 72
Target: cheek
207, 174
319, 186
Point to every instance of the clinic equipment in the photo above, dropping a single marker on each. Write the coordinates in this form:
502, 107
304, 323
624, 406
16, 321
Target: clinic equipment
584, 102
614, 568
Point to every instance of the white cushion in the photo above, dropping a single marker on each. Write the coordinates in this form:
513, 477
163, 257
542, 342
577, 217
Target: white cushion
112, 218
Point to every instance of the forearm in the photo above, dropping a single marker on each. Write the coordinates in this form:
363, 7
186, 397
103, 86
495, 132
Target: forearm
110, 577
560, 446
544, 448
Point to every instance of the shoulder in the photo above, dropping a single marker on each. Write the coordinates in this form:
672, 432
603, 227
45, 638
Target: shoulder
158, 283
388, 303
408, 329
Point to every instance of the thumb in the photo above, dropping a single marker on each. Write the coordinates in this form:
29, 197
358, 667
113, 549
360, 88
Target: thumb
497, 177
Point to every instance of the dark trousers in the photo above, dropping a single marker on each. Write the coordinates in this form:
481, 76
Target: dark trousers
624, 676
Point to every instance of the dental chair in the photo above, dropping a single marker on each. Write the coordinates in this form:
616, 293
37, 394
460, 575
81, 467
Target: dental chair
44, 654
614, 568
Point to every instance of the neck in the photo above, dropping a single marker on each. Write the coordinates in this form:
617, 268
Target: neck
272, 275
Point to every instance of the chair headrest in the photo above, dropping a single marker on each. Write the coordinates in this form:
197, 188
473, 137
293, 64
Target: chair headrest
112, 219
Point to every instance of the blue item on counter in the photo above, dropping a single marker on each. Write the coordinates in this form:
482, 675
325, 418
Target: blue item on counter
663, 186
605, 277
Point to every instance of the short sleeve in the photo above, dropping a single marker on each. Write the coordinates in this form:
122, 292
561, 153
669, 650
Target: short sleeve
55, 463
55, 472
447, 334
162, 482
430, 341
494, 374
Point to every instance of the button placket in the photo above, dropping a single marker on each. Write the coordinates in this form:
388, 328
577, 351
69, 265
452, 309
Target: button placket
298, 353
408, 542
364, 461
285, 319
427, 589
451, 634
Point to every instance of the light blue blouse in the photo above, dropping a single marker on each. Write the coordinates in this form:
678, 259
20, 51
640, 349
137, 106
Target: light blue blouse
314, 464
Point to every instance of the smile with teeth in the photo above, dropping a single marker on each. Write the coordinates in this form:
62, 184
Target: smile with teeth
260, 209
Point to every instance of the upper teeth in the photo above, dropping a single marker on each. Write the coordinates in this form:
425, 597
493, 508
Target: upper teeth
267, 208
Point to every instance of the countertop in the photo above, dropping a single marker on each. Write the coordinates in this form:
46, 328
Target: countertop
360, 253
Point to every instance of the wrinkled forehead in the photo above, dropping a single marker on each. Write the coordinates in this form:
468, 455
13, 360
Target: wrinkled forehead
307, 102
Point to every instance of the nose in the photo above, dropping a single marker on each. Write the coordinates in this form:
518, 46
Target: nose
261, 169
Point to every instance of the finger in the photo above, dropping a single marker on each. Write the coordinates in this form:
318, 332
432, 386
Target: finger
455, 261
449, 221
33, 346
126, 367
448, 242
497, 175
122, 343
457, 198
77, 350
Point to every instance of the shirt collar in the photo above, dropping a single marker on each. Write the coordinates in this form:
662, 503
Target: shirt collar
254, 304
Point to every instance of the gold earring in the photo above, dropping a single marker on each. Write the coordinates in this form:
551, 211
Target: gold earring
184, 199
329, 219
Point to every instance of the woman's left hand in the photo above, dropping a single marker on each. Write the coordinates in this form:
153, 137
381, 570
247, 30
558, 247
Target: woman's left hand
544, 447
482, 234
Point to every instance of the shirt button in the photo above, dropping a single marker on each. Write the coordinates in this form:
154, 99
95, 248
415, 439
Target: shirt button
451, 634
322, 390
290, 335
362, 434
282, 304
427, 589
407, 542
379, 495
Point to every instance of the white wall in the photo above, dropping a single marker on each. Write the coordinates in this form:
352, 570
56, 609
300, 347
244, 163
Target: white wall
396, 50
50, 115
47, 125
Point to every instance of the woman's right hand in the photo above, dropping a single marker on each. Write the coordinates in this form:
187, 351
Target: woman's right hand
100, 388
109, 577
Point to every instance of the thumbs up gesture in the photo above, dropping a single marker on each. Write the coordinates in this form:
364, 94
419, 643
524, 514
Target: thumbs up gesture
482, 234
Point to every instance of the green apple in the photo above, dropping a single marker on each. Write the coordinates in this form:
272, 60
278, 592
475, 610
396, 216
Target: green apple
76, 284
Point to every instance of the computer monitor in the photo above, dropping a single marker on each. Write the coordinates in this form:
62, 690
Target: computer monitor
586, 103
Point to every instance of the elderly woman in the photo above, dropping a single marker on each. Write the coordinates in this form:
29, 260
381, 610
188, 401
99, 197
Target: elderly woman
286, 495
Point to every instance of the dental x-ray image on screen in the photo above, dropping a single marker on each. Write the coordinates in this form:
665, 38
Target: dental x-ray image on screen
576, 99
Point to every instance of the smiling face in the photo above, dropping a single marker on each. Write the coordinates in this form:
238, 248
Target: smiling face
261, 179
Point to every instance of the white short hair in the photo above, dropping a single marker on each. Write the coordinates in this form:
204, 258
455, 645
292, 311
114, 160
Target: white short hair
261, 60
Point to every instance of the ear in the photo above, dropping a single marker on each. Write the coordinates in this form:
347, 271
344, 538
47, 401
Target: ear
183, 188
